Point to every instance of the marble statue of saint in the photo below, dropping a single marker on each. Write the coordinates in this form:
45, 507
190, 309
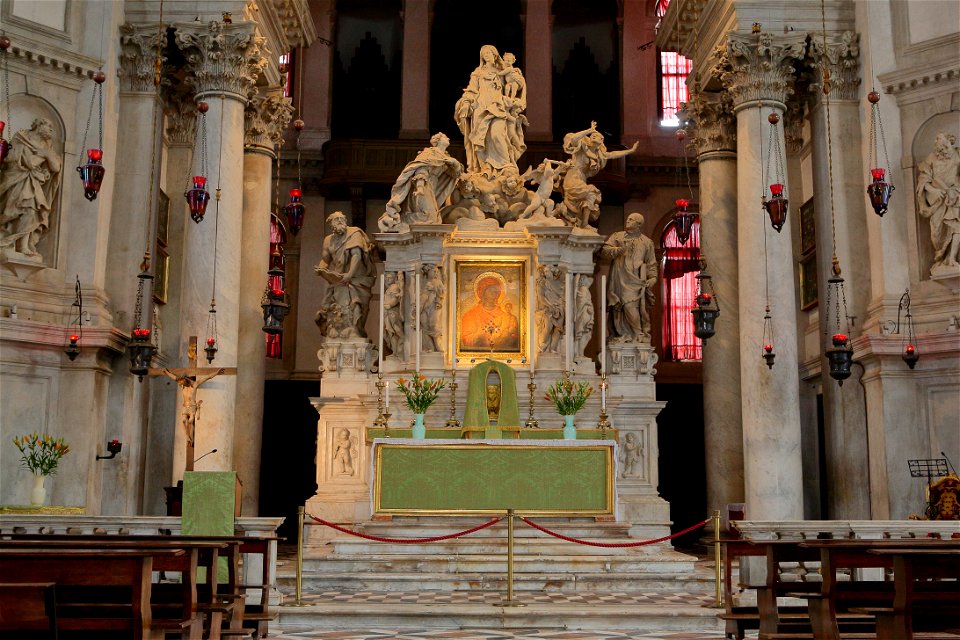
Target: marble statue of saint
345, 263
490, 325
938, 190
432, 291
583, 314
550, 308
422, 188
28, 188
631, 457
394, 336
588, 156
489, 119
633, 273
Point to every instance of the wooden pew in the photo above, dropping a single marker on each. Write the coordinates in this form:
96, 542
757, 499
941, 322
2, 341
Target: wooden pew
125, 608
926, 592
28, 611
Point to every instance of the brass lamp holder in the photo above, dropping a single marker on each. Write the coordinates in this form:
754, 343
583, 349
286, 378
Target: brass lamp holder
382, 415
603, 423
532, 422
452, 420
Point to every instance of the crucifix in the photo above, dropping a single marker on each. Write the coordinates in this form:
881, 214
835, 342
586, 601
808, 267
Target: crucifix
189, 380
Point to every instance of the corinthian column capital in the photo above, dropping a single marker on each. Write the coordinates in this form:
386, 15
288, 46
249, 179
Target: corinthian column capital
224, 59
760, 66
712, 123
841, 56
138, 57
181, 120
265, 119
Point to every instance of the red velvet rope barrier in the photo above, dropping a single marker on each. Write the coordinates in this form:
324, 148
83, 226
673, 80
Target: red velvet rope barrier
405, 540
615, 544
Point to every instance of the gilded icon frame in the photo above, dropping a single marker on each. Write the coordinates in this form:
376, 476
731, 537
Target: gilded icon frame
512, 275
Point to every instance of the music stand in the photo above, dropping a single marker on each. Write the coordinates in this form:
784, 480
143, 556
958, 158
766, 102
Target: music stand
928, 468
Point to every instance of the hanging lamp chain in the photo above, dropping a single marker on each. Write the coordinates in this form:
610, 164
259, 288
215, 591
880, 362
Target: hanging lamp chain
6, 84
825, 67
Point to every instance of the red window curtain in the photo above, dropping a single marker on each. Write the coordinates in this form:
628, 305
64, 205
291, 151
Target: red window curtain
674, 70
680, 268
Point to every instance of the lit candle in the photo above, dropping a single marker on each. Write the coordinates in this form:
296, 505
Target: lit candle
568, 320
386, 399
416, 293
531, 304
453, 319
603, 325
380, 347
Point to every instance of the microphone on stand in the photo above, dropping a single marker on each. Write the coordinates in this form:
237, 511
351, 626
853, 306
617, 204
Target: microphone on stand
204, 456
949, 463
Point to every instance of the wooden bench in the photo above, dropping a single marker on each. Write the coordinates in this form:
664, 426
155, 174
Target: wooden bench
28, 611
926, 592
116, 581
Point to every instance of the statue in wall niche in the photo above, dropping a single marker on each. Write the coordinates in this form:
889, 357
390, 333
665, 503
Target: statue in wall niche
550, 308
422, 188
344, 453
432, 291
938, 190
489, 114
28, 189
631, 457
583, 314
588, 156
633, 273
345, 263
393, 313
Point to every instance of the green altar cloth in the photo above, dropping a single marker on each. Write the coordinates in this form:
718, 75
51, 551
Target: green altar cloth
535, 477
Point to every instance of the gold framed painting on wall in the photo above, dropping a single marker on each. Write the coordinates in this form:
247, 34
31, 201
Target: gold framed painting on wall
808, 282
491, 309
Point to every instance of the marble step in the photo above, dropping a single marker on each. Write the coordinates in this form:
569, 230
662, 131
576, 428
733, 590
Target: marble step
483, 563
583, 528
534, 615
540, 582
493, 545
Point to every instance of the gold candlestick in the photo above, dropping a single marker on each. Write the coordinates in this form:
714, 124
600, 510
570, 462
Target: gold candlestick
532, 422
381, 421
603, 423
452, 420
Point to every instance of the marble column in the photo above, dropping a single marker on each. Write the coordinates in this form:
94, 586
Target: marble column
841, 217
759, 68
639, 72
714, 133
225, 60
132, 231
415, 96
538, 64
314, 97
267, 116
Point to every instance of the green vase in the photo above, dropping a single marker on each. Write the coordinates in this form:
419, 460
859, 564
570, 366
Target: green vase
569, 429
419, 431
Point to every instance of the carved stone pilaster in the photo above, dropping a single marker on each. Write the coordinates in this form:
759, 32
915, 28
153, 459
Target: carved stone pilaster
265, 119
760, 66
138, 57
842, 57
181, 121
224, 59
793, 126
712, 123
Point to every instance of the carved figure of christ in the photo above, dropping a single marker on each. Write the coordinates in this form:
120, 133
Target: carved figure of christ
189, 380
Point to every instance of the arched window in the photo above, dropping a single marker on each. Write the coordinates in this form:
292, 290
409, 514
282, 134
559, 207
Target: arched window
680, 265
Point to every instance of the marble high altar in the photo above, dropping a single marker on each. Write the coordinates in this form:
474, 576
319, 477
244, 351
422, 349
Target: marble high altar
479, 268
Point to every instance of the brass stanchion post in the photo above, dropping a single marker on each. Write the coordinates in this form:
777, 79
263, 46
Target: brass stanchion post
716, 556
510, 602
299, 591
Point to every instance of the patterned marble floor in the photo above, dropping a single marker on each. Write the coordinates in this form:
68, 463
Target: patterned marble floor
487, 634
493, 597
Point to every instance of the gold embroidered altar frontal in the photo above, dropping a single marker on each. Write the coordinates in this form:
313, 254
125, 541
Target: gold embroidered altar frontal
534, 477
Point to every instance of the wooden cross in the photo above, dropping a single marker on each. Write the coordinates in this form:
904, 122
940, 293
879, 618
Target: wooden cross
189, 380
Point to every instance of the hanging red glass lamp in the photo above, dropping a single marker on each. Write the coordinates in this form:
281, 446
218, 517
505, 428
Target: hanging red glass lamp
197, 198
295, 210
879, 190
777, 205
706, 308
683, 220
275, 309
768, 354
141, 347
840, 353
910, 355
4, 145
76, 330
92, 174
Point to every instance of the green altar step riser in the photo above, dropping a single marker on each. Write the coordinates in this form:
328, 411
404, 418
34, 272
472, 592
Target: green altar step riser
532, 616
393, 581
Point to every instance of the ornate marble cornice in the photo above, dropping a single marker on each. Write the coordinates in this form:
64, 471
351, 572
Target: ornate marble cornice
138, 57
759, 66
181, 121
265, 120
712, 124
224, 59
842, 57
